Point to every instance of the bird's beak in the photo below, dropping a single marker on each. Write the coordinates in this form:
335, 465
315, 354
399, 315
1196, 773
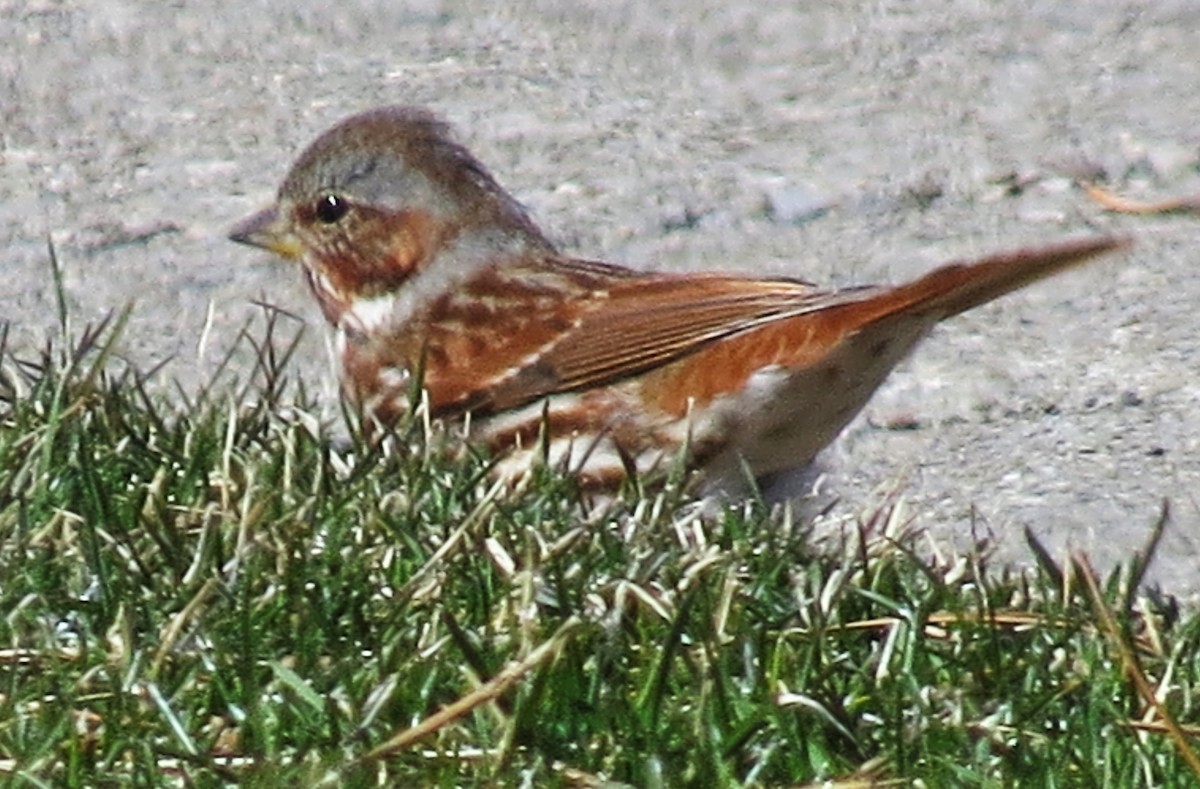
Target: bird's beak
266, 229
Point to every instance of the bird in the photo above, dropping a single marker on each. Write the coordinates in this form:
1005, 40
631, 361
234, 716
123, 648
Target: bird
440, 286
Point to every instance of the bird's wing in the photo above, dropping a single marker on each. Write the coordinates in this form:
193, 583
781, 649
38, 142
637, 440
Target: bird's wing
643, 325
619, 323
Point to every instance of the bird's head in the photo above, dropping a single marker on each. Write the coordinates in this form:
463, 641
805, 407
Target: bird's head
373, 201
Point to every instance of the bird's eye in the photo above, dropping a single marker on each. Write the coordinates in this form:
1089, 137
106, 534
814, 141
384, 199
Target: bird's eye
330, 208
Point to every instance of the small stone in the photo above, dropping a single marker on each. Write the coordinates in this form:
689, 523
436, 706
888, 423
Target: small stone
1171, 160
925, 191
793, 204
1131, 399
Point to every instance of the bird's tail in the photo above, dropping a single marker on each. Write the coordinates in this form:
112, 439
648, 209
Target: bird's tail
959, 286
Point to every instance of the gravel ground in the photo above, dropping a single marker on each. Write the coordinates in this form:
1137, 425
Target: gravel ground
862, 142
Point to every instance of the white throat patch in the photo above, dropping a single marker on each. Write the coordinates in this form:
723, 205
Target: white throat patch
370, 314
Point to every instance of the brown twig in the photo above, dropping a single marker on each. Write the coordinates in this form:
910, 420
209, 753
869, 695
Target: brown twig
489, 691
1121, 205
1109, 625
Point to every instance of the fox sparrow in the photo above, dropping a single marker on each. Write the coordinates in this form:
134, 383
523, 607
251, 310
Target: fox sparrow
426, 266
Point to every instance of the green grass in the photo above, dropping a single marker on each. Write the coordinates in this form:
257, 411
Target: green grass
198, 592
